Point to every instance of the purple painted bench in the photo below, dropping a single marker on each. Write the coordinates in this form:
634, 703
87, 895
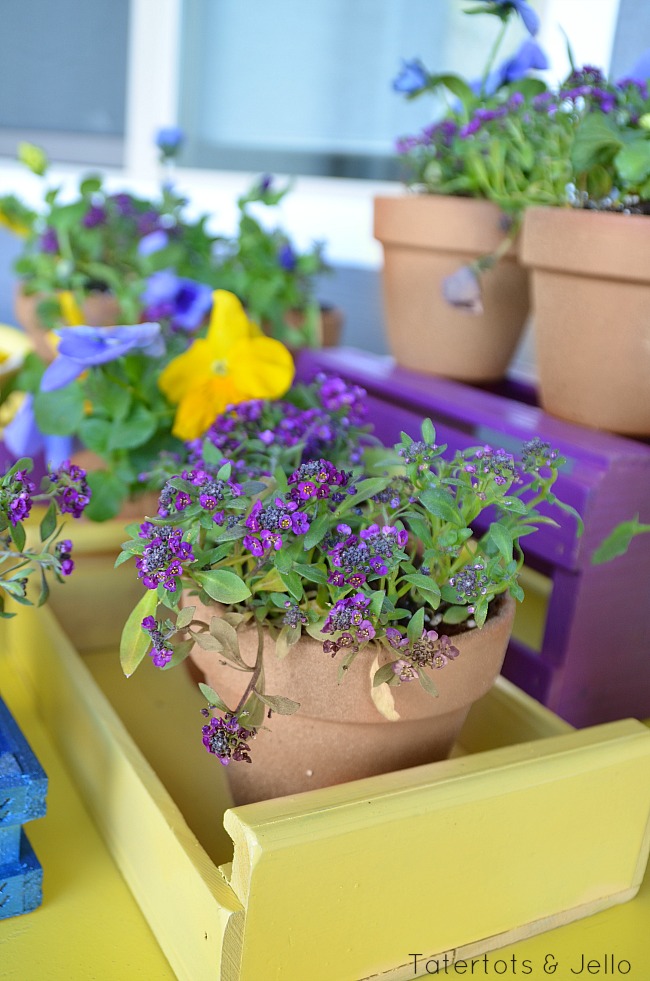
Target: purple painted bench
594, 661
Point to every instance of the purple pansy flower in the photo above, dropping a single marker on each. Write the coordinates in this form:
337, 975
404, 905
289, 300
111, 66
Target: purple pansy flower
169, 140
83, 347
528, 57
412, 77
185, 301
153, 242
524, 9
23, 437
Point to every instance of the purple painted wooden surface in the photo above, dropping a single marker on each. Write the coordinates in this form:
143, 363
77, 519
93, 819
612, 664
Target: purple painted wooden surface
594, 665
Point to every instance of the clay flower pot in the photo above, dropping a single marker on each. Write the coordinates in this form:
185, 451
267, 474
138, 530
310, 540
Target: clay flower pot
591, 296
338, 733
99, 310
425, 238
331, 326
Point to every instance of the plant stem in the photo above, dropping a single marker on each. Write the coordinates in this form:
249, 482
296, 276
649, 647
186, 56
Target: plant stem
257, 670
492, 56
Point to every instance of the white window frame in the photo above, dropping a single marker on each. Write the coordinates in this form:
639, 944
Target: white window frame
337, 211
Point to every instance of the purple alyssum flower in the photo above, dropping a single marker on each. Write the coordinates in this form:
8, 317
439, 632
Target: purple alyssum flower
84, 347
96, 215
227, 739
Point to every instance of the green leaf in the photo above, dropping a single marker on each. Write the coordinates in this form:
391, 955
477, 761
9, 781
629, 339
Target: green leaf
212, 697
633, 161
18, 536
135, 642
502, 540
596, 141
95, 434
108, 495
439, 503
415, 626
279, 703
48, 522
428, 432
427, 683
282, 562
293, 582
312, 573
223, 586
618, 542
226, 635
455, 614
133, 431
59, 413
383, 675
425, 585
317, 531
287, 637
363, 491
456, 85
185, 617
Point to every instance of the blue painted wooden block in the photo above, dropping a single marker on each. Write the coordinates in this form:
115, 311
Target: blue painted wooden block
23, 783
23, 788
21, 882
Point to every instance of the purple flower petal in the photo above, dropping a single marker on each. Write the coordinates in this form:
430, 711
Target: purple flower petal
462, 290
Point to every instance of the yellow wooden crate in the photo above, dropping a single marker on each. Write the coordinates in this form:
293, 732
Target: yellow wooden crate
532, 825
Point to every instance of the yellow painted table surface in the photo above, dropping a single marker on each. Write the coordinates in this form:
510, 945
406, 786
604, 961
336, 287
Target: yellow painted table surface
89, 927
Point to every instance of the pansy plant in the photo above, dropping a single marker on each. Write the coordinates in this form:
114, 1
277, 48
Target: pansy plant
386, 553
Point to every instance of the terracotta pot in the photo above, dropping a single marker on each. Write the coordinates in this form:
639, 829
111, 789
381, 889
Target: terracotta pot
338, 733
591, 292
98, 309
426, 238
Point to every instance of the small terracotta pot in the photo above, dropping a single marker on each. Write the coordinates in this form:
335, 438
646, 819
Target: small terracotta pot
338, 734
99, 310
426, 237
591, 292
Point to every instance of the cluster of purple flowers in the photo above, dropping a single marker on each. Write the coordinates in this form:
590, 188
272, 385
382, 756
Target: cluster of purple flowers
368, 554
496, 463
429, 651
213, 493
72, 493
63, 552
162, 558
470, 583
227, 739
15, 498
348, 618
160, 654
281, 425
316, 480
270, 522
537, 455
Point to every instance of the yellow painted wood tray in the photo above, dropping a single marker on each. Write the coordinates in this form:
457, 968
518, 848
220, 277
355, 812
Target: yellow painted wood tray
532, 825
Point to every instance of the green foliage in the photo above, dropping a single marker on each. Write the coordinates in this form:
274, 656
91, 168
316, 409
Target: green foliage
273, 279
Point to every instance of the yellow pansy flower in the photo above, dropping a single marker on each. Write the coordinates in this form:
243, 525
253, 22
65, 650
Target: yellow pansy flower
233, 363
70, 309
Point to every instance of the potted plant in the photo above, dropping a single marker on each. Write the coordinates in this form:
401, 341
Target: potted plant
588, 260
274, 279
281, 584
23, 783
468, 172
130, 393
87, 257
